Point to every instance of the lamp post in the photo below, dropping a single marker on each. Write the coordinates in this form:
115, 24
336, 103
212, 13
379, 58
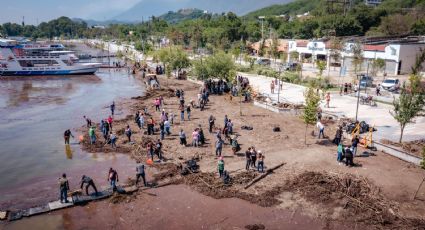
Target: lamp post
262, 26
278, 85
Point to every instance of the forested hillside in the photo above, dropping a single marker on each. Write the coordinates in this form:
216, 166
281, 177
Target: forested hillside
228, 31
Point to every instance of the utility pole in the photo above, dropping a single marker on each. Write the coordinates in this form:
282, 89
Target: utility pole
278, 85
262, 27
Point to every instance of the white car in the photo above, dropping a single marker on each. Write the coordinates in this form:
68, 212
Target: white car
391, 84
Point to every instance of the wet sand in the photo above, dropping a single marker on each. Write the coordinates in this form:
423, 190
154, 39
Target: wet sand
173, 207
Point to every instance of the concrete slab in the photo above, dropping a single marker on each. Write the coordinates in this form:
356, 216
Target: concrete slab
37, 210
3, 215
58, 205
16, 215
85, 199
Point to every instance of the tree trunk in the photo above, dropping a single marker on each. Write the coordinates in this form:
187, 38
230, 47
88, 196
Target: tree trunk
401, 133
305, 134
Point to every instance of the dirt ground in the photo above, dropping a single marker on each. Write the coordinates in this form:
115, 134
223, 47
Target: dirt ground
375, 194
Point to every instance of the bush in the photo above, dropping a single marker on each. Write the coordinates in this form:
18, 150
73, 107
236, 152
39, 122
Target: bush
241, 68
291, 78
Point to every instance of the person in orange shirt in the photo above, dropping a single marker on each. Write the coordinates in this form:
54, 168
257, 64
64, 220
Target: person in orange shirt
328, 99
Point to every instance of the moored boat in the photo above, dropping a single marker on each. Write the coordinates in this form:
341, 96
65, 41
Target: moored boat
40, 59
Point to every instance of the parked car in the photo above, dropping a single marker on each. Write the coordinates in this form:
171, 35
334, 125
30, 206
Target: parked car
365, 81
391, 84
263, 61
290, 66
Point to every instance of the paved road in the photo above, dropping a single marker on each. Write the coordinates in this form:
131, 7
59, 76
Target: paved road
345, 105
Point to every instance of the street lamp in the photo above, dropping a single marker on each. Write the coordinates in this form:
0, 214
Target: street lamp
278, 85
262, 26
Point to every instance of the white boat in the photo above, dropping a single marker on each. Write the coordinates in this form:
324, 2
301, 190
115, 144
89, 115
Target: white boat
40, 59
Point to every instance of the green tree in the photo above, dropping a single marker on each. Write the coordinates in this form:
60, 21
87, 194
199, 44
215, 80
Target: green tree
335, 49
409, 104
220, 65
357, 51
321, 65
174, 59
274, 48
309, 115
250, 60
377, 65
294, 55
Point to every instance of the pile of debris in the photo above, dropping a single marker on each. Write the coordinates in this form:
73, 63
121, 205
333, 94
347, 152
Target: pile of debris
360, 200
364, 127
413, 147
286, 105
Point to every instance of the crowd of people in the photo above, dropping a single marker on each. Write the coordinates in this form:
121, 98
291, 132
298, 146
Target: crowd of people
144, 120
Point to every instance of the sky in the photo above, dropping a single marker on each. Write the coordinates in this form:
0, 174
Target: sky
45, 10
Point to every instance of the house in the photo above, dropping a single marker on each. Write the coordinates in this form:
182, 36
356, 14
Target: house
268, 44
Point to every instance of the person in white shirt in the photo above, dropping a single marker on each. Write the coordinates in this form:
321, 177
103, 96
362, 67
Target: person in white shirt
167, 127
321, 128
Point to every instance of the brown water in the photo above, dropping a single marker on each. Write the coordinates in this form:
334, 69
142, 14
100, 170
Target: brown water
34, 113
173, 207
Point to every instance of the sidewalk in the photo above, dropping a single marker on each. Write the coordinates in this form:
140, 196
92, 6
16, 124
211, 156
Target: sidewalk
379, 116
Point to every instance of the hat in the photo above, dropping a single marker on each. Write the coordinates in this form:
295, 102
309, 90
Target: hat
259, 151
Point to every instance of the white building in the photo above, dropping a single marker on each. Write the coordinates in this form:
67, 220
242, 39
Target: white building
372, 2
399, 55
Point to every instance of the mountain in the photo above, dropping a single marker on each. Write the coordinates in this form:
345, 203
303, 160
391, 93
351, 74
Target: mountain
294, 7
148, 8
181, 15
91, 22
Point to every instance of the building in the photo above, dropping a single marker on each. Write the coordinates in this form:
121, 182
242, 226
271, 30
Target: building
372, 2
268, 43
399, 54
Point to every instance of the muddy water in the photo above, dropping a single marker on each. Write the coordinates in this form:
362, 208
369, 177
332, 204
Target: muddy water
34, 113
173, 207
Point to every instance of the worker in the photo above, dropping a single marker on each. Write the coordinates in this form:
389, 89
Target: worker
338, 135
321, 128
128, 133
328, 99
140, 172
354, 144
340, 152
64, 188
89, 182
260, 162
220, 166
248, 158
348, 157
113, 178
112, 108
92, 135
67, 135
